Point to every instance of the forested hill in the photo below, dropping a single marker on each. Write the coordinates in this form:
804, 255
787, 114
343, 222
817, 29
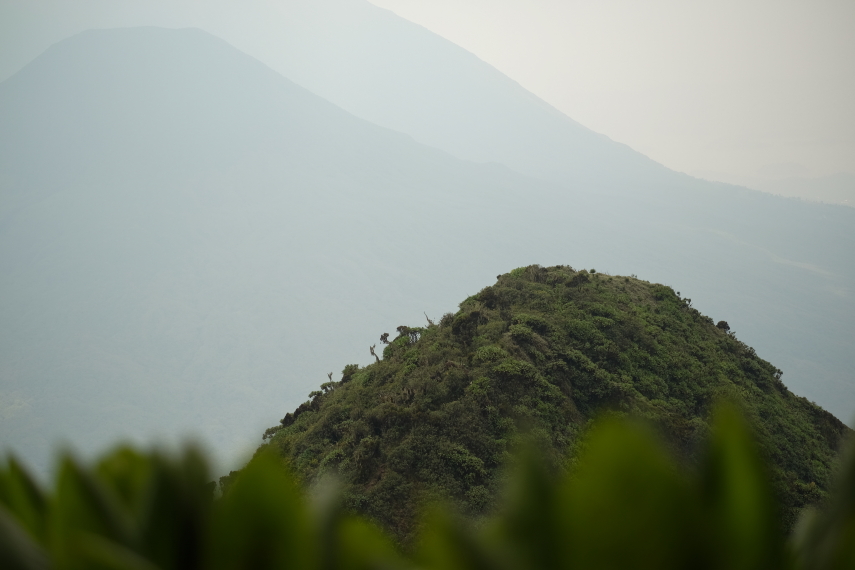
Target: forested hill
538, 355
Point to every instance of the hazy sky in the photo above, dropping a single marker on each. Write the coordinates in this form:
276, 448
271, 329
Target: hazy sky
738, 88
728, 90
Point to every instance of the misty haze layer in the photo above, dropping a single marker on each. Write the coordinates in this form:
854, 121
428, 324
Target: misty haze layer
717, 89
189, 241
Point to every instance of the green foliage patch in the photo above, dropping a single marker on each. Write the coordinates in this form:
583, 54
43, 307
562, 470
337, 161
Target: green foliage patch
539, 355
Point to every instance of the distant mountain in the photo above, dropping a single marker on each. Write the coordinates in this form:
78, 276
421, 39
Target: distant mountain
540, 354
186, 237
401, 75
373, 64
834, 189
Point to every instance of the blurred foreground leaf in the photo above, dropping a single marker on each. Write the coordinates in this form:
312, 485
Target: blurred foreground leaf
23, 498
628, 506
625, 504
743, 520
18, 551
825, 539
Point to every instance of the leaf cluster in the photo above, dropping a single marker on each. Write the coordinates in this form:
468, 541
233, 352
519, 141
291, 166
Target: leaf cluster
625, 504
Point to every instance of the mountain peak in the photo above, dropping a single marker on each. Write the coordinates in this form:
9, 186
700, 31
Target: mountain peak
537, 356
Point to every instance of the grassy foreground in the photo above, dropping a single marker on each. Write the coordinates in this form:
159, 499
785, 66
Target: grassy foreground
626, 503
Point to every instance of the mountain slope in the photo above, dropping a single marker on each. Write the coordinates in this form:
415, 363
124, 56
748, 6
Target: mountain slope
377, 66
185, 235
398, 74
542, 352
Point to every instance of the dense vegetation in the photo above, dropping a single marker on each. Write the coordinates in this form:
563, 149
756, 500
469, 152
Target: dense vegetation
537, 357
624, 505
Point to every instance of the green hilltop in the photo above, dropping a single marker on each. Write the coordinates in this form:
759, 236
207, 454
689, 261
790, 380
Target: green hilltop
535, 358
